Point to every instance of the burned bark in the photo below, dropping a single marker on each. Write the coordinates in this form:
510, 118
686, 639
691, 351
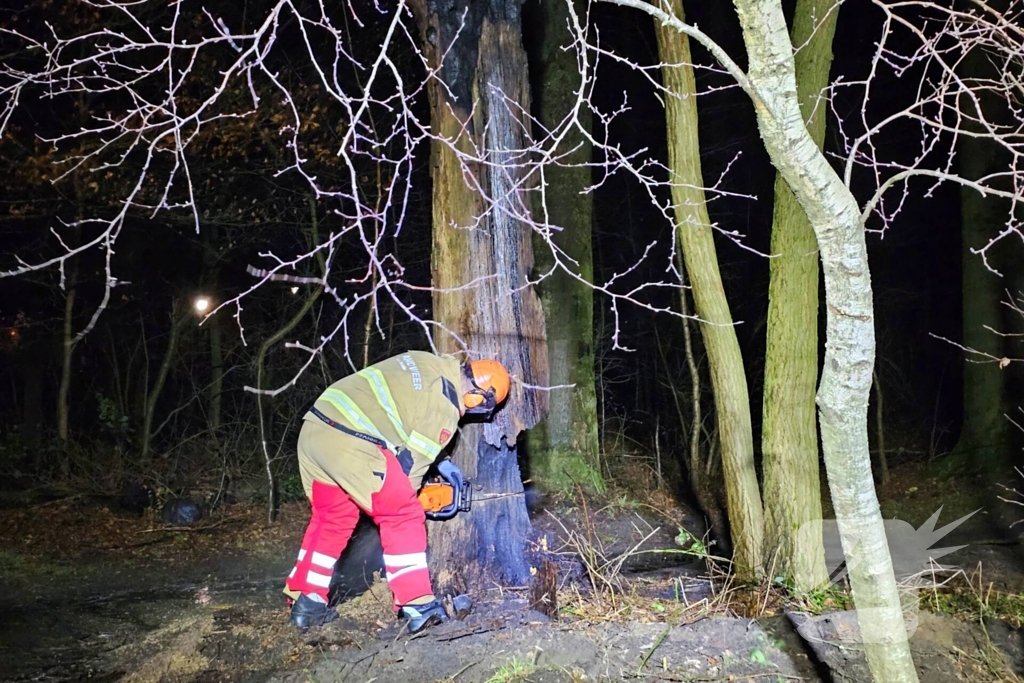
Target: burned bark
482, 255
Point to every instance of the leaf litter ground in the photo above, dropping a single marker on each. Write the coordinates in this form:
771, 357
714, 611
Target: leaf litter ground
90, 593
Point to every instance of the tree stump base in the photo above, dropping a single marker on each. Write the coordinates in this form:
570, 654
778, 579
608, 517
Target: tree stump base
543, 592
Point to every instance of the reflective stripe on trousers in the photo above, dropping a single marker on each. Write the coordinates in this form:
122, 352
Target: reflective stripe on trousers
403, 534
333, 518
398, 513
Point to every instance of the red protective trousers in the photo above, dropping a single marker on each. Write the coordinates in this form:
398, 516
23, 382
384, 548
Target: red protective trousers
403, 535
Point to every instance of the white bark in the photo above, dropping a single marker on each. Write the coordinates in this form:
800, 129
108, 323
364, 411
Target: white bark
850, 336
842, 398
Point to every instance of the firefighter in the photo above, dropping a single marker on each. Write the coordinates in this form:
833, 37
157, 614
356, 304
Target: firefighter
365, 445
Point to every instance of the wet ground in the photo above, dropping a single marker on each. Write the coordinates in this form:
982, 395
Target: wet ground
95, 594
101, 621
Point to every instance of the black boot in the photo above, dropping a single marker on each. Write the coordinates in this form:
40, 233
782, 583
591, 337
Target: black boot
422, 616
307, 612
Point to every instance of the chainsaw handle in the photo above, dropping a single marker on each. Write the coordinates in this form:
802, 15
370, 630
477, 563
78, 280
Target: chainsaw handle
442, 515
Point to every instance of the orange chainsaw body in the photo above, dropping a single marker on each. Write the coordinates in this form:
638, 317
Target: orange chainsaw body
441, 499
436, 496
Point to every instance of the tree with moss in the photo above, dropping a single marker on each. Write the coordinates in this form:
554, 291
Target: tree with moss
789, 433
696, 240
564, 448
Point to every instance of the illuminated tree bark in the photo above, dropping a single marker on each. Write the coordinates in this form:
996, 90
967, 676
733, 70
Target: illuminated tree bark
789, 439
850, 353
732, 404
481, 257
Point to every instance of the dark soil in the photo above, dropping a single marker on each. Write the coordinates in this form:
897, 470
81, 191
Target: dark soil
90, 592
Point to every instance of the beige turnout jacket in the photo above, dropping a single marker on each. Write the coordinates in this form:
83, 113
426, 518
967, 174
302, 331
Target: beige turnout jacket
410, 401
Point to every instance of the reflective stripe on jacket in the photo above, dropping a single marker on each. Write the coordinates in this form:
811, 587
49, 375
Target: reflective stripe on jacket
410, 401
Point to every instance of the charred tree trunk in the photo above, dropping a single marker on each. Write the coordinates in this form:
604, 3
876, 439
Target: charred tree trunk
484, 244
564, 448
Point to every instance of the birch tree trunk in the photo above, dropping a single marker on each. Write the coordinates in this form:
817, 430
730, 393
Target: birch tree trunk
789, 439
850, 348
564, 448
732, 402
498, 317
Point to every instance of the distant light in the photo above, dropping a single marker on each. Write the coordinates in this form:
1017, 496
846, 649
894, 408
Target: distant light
295, 290
201, 304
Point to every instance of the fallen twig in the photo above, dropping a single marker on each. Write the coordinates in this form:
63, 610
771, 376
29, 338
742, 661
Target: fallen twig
205, 527
657, 643
451, 679
464, 634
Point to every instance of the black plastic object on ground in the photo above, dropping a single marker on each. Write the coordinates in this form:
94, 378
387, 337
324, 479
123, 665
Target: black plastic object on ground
461, 606
353, 572
181, 512
134, 498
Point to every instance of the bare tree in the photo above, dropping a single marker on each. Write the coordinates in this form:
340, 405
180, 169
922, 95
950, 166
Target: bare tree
770, 82
944, 107
180, 313
696, 242
144, 129
162, 81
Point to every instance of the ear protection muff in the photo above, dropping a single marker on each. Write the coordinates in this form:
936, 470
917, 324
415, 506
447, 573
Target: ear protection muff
479, 402
490, 374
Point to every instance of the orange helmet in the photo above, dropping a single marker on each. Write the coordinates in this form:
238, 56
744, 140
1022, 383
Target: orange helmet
491, 382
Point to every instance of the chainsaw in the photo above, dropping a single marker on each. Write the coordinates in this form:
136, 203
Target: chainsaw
443, 499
